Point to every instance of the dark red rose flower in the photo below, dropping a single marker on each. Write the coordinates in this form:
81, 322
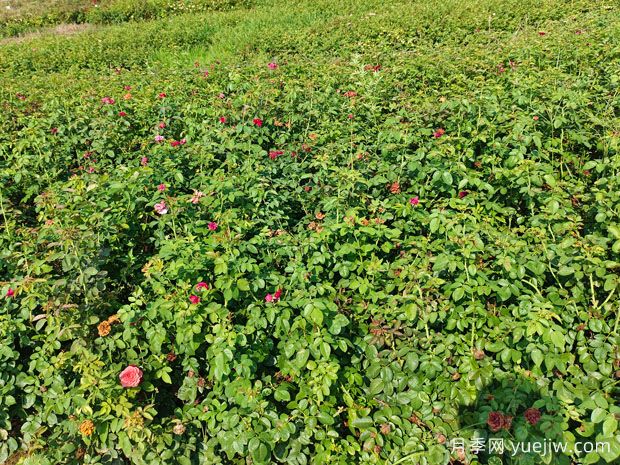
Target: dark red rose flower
532, 415
495, 421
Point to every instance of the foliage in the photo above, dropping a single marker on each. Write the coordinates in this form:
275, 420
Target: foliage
405, 220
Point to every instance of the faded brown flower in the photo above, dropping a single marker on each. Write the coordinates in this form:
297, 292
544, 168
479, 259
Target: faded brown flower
87, 428
103, 328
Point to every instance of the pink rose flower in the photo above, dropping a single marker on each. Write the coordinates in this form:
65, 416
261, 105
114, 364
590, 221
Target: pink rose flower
221, 95
161, 208
202, 285
159, 138
414, 200
194, 299
130, 376
108, 101
161, 187
10, 293
268, 298
122, 113
212, 225
273, 65
196, 197
144, 161
162, 125
277, 294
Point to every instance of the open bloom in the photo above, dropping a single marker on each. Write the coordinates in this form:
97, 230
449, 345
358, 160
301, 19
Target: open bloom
194, 299
144, 161
532, 415
196, 197
159, 138
268, 298
273, 154
414, 200
122, 113
222, 119
161, 187
161, 208
10, 292
212, 225
130, 376
162, 95
108, 101
202, 285
277, 294
495, 421
273, 65
257, 122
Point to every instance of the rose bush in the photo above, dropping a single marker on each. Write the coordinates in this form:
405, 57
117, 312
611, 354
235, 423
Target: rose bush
351, 257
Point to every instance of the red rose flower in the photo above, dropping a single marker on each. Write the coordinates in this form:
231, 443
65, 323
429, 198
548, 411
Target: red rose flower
257, 122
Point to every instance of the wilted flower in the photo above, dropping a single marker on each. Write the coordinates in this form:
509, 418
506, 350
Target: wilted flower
221, 95
178, 429
438, 133
463, 194
161, 208
127, 96
54, 131
194, 299
87, 428
196, 197
104, 328
127, 88
212, 225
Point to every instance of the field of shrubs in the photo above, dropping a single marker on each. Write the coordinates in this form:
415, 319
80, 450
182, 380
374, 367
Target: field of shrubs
310, 232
